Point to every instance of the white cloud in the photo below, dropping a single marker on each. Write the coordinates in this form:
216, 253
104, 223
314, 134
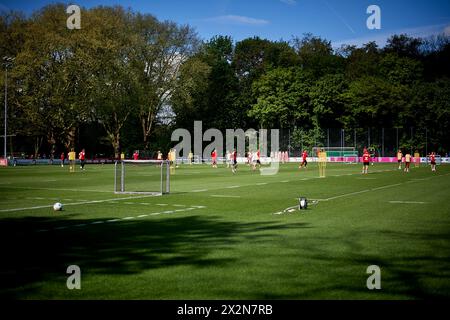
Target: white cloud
289, 2
381, 38
447, 31
4, 9
241, 20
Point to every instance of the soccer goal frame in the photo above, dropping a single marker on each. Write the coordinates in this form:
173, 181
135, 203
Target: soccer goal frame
346, 154
120, 186
437, 158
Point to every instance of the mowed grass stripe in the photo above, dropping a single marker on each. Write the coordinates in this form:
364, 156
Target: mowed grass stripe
233, 249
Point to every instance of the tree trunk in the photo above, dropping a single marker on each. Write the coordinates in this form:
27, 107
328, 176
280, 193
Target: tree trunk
51, 141
37, 146
147, 124
115, 141
70, 143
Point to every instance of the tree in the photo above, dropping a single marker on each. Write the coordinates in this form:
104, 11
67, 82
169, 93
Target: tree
282, 98
49, 80
252, 58
362, 61
157, 55
192, 87
401, 70
374, 102
430, 110
316, 55
326, 100
307, 139
113, 86
404, 46
213, 88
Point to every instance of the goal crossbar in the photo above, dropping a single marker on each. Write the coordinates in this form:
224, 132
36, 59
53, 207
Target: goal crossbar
155, 181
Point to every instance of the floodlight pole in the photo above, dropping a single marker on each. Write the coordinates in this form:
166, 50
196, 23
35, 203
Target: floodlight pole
6, 109
7, 62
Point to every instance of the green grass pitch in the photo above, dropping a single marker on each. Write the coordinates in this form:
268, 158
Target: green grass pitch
216, 235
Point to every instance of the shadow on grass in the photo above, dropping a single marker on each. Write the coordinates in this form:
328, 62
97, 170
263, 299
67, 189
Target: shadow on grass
299, 265
414, 265
126, 247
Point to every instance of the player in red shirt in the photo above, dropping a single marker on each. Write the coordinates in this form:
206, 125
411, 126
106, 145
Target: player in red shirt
214, 158
234, 161
136, 155
304, 162
433, 161
366, 161
62, 159
82, 156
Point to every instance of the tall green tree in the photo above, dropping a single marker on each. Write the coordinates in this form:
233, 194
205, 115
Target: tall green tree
158, 52
51, 88
282, 99
374, 102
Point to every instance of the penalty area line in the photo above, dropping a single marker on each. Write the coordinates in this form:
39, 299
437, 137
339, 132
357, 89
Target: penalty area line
58, 189
73, 203
408, 202
223, 196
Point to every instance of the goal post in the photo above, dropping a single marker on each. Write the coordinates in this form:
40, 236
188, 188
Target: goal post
150, 177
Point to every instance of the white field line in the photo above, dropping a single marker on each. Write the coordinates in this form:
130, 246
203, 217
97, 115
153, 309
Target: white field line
73, 203
120, 219
374, 189
59, 189
284, 181
408, 202
347, 194
387, 186
223, 196
358, 192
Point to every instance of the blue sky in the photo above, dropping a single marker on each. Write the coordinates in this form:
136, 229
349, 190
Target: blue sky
340, 21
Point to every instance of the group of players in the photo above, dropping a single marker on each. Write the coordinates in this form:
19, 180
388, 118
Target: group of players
71, 156
254, 159
367, 157
408, 158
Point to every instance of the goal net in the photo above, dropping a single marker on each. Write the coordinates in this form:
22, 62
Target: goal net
142, 177
339, 154
437, 159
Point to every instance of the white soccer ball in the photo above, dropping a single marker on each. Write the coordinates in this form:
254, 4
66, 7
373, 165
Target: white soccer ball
57, 206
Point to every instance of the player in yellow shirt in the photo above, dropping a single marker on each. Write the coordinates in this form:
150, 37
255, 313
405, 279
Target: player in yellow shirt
72, 158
